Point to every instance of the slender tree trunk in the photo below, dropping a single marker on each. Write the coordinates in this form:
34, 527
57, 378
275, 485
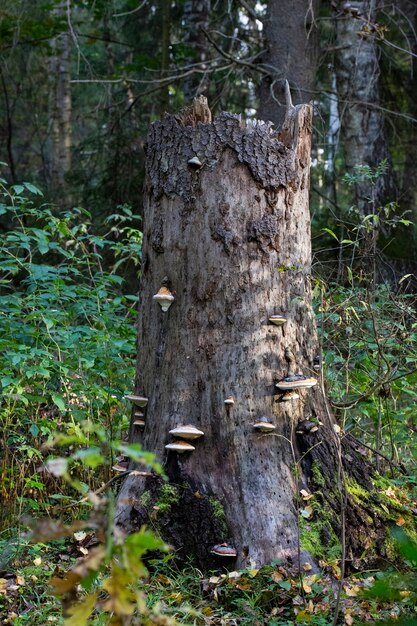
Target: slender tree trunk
60, 106
362, 121
409, 180
196, 21
165, 52
232, 241
291, 42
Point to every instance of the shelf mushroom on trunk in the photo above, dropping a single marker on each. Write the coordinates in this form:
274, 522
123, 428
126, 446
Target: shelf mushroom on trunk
294, 381
164, 297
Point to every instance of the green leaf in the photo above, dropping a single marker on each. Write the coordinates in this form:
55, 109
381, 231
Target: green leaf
33, 189
18, 189
285, 584
330, 232
91, 457
6, 381
34, 430
59, 401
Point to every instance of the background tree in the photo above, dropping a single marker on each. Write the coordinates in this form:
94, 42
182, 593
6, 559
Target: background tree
290, 34
361, 118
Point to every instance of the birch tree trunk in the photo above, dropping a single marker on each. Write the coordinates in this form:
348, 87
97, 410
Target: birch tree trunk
232, 242
362, 120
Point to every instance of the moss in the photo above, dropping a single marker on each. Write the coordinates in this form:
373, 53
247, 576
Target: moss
145, 499
218, 513
358, 493
317, 535
317, 475
167, 496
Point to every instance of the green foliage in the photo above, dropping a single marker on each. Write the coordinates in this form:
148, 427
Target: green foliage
396, 587
370, 341
67, 340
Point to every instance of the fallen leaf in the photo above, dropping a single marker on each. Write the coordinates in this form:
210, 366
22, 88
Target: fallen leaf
164, 580
80, 535
400, 521
277, 577
306, 587
307, 567
353, 591
37, 561
207, 610
214, 580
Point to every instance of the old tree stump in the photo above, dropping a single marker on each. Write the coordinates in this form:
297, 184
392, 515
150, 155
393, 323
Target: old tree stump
231, 239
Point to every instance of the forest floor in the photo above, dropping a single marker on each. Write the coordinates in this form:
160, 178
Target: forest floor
271, 596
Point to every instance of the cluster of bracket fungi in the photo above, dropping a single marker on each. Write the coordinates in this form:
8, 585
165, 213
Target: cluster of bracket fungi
139, 402
183, 434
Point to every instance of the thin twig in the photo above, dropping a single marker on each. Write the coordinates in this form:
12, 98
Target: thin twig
402, 470
138, 8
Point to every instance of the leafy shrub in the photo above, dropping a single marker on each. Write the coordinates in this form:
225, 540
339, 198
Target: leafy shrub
67, 338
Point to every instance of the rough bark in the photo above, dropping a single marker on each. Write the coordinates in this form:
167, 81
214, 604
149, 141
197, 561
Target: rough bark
233, 239
291, 42
362, 121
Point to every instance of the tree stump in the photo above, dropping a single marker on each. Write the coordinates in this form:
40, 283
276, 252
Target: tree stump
227, 230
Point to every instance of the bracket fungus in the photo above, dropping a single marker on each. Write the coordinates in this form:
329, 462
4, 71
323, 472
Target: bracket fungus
305, 427
186, 432
317, 362
164, 298
195, 164
264, 425
278, 320
137, 400
296, 381
180, 446
121, 465
290, 395
224, 549
229, 401
139, 422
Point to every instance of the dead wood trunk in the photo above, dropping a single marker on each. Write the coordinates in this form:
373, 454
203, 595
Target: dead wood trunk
233, 239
